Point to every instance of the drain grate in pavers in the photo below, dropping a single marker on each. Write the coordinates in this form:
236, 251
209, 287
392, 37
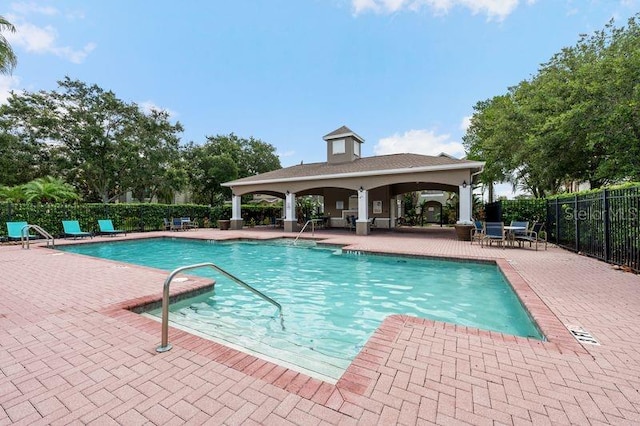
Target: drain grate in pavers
582, 335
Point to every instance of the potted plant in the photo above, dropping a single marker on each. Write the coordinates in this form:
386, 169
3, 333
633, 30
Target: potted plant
224, 224
463, 230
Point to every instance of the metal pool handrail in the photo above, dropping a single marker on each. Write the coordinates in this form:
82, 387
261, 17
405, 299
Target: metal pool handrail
310, 221
24, 235
164, 345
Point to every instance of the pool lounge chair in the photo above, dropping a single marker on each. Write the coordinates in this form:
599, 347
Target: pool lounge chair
106, 228
15, 231
72, 229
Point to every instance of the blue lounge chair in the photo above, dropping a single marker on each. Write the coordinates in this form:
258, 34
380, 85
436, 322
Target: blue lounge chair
106, 228
16, 230
72, 229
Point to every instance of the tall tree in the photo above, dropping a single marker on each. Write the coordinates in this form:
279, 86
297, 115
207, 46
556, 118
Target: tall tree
224, 158
154, 146
101, 144
578, 119
8, 59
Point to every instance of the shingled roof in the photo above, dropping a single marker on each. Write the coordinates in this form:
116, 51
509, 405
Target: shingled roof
342, 132
394, 163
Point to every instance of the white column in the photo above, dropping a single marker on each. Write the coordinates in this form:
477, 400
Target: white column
236, 202
362, 224
290, 207
465, 196
363, 205
392, 212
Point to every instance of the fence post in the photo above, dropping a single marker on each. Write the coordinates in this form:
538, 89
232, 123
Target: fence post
557, 201
577, 223
607, 225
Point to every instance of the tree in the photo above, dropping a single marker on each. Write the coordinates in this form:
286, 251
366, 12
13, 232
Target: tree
155, 153
49, 190
578, 119
224, 158
101, 144
14, 194
8, 59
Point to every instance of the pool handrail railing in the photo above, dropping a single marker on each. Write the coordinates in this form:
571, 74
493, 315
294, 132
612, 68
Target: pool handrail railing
310, 221
25, 237
164, 345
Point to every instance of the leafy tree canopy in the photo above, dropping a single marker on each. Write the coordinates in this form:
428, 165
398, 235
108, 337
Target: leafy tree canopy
578, 118
224, 158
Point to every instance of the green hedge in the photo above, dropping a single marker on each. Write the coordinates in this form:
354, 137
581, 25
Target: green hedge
130, 217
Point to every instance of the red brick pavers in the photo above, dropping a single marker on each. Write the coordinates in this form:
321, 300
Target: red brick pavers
70, 353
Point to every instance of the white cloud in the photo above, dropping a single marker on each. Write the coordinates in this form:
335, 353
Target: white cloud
425, 142
148, 106
494, 9
42, 39
466, 122
7, 84
30, 8
286, 154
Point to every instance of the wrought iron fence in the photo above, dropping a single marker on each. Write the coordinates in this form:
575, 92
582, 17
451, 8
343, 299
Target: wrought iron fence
603, 224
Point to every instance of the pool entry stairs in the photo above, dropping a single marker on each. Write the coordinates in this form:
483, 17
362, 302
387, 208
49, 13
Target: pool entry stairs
164, 345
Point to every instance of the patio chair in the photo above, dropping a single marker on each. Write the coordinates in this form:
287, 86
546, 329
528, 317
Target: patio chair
187, 223
176, 224
517, 234
352, 222
16, 230
477, 232
534, 235
106, 228
72, 229
494, 231
166, 224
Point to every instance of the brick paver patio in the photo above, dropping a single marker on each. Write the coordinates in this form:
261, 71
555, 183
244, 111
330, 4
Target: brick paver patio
71, 353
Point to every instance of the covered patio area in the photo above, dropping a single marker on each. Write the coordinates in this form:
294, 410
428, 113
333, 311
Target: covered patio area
362, 188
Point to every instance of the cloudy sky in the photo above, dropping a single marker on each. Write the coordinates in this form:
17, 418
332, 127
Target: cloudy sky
403, 74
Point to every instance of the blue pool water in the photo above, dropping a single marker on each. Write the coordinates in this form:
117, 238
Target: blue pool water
332, 301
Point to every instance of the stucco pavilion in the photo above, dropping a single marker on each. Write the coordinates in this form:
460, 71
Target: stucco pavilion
362, 187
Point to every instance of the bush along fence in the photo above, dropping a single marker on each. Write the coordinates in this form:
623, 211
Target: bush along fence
129, 217
604, 224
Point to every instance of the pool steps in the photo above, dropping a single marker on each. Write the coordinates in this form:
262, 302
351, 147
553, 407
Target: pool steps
164, 345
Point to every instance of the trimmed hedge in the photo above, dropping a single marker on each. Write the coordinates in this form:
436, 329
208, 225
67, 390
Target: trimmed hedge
130, 217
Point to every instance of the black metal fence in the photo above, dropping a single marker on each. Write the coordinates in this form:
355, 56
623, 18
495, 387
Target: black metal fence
601, 224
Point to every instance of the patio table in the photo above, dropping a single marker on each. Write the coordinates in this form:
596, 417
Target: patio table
511, 234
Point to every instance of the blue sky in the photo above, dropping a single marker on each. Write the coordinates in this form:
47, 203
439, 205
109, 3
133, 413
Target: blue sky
403, 74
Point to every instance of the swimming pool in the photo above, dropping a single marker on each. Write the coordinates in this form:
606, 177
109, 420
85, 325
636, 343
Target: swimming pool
332, 300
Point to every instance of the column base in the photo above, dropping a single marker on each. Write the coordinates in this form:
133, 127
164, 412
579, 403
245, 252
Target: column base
362, 228
236, 224
290, 226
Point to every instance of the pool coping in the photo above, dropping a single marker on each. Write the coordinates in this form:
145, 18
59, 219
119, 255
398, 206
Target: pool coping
358, 377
